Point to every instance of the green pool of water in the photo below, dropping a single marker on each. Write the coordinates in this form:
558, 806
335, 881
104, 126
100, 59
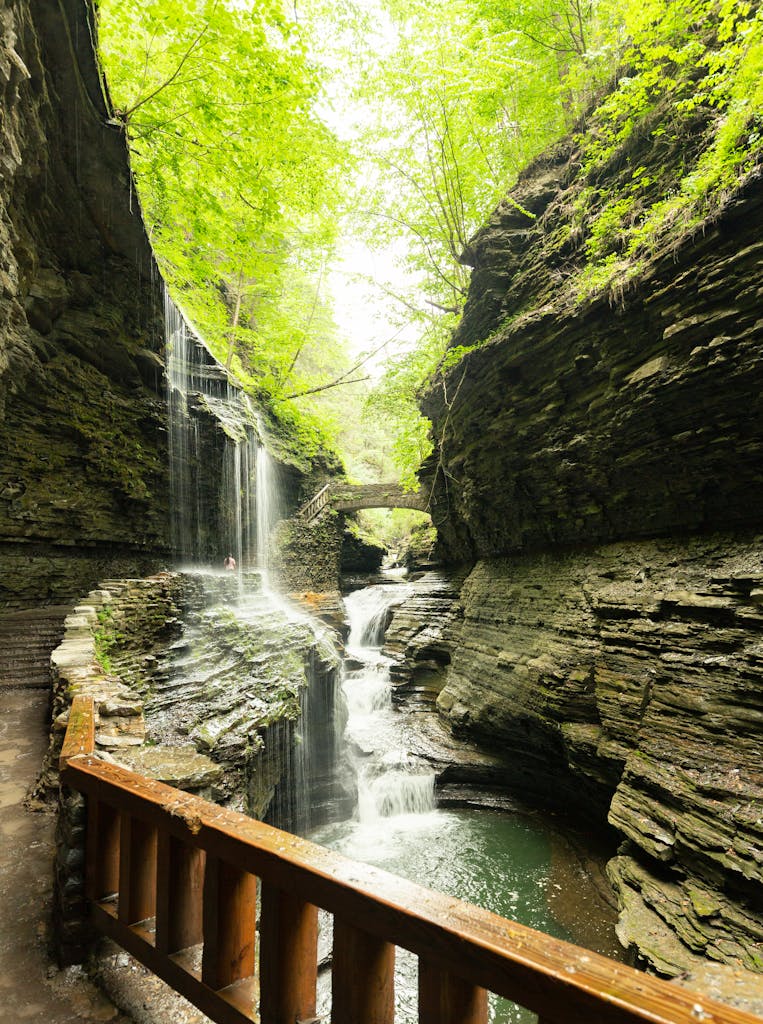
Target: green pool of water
513, 865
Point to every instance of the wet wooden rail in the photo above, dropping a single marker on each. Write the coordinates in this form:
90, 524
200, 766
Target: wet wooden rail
171, 876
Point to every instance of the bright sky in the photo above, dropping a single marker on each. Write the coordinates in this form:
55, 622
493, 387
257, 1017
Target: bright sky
362, 311
364, 314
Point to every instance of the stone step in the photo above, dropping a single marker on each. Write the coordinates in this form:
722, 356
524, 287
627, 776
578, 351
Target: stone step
27, 639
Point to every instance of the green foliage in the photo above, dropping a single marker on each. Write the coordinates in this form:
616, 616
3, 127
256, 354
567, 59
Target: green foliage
244, 187
394, 401
695, 82
237, 176
105, 639
395, 527
455, 99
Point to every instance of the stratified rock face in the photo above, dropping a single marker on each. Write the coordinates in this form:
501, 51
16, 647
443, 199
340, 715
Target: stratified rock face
632, 671
588, 423
360, 552
600, 456
82, 415
421, 636
306, 557
226, 693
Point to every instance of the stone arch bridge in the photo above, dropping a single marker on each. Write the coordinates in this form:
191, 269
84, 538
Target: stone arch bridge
352, 497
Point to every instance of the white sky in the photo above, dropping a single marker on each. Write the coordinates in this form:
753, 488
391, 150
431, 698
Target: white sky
362, 312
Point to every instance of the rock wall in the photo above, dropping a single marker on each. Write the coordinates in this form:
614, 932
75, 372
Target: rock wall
599, 456
84, 463
624, 680
203, 691
83, 478
307, 556
599, 422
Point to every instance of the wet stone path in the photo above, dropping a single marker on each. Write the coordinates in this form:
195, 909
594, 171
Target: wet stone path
32, 988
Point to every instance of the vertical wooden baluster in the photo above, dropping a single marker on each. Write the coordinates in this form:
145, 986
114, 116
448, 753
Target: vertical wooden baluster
288, 957
137, 870
179, 889
445, 999
229, 911
362, 978
102, 854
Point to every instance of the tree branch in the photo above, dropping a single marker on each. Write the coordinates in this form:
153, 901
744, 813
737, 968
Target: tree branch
125, 115
323, 387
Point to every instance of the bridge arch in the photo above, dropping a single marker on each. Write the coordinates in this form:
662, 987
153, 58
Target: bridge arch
352, 497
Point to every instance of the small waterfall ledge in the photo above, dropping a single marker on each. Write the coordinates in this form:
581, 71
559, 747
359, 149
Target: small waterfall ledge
205, 678
230, 699
390, 781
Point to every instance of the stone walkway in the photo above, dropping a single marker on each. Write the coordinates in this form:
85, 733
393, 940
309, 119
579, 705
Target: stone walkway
32, 989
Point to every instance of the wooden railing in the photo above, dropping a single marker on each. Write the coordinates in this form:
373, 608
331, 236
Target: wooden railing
316, 504
173, 879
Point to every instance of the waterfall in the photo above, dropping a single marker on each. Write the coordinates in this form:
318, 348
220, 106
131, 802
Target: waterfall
229, 503
390, 781
266, 511
216, 509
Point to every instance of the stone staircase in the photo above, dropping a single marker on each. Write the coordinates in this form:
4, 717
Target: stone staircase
26, 641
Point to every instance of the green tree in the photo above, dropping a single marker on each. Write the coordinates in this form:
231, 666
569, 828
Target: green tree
237, 173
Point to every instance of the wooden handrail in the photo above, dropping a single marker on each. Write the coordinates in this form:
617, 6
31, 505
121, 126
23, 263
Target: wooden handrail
316, 504
180, 870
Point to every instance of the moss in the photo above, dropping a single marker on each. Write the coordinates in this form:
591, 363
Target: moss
106, 639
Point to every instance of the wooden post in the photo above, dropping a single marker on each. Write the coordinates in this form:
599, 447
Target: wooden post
288, 957
137, 870
445, 999
102, 852
229, 909
179, 889
362, 978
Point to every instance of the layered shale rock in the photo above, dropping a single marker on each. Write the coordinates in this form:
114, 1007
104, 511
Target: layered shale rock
82, 418
633, 669
599, 456
595, 423
229, 697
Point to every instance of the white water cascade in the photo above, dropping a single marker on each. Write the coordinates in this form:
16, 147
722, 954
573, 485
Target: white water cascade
391, 782
216, 509
225, 499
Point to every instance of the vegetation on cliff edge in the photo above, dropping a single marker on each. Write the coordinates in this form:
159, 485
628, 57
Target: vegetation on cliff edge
261, 138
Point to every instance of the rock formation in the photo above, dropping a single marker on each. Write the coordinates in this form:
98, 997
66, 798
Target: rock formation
599, 466
84, 473
203, 690
83, 484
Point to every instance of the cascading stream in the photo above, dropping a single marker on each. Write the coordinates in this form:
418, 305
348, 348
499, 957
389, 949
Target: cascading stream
507, 863
390, 781
224, 507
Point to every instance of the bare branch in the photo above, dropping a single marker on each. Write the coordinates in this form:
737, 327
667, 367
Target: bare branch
125, 115
445, 309
323, 387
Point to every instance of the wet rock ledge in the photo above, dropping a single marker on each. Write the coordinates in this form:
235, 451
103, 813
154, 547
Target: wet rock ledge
203, 689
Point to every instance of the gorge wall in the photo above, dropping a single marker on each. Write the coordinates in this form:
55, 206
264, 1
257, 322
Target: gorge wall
599, 464
84, 462
83, 483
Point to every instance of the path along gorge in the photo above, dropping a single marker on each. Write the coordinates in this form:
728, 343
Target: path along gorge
596, 486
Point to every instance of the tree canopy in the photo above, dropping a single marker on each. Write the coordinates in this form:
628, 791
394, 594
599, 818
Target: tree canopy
262, 135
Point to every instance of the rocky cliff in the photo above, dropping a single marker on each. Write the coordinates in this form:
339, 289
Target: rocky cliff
83, 484
84, 470
599, 464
